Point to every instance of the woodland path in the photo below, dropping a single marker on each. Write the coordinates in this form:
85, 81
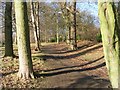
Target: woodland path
84, 68
58, 67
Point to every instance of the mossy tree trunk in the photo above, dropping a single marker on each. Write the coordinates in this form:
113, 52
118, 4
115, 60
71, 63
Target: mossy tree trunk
110, 30
73, 42
8, 30
23, 38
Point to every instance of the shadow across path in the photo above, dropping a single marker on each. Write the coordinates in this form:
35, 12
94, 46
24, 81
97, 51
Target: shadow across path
91, 82
56, 57
64, 71
75, 65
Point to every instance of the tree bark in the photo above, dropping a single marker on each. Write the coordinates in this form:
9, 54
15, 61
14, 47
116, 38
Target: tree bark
57, 30
110, 30
16, 38
38, 21
23, 38
35, 23
8, 30
73, 42
66, 16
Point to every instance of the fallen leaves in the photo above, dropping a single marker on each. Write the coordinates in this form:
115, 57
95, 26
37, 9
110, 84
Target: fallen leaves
57, 65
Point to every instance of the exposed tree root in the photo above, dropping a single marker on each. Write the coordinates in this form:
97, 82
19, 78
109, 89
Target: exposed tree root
25, 75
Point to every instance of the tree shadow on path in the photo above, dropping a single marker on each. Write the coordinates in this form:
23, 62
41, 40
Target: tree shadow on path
74, 55
75, 65
66, 50
90, 82
64, 71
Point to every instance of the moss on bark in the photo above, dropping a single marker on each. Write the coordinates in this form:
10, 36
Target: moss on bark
111, 39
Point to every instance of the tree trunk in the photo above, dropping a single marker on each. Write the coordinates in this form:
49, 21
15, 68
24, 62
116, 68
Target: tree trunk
73, 42
67, 36
110, 31
57, 30
45, 36
68, 27
16, 38
66, 16
35, 25
23, 38
38, 21
8, 30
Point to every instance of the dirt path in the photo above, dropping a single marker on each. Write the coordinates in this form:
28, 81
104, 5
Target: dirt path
84, 68
62, 68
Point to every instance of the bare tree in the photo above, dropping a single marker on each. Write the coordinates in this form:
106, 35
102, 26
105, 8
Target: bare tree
66, 15
35, 23
25, 61
73, 41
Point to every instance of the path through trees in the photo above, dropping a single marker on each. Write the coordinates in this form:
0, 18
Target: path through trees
60, 68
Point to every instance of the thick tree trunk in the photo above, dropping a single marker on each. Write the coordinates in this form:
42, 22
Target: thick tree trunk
110, 31
35, 25
8, 30
73, 43
25, 61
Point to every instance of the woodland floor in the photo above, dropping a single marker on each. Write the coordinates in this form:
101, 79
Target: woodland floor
58, 67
